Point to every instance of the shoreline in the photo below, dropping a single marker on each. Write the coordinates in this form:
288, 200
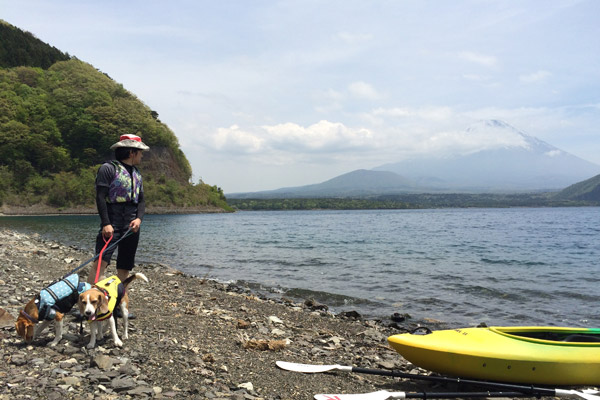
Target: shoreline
257, 288
44, 210
193, 338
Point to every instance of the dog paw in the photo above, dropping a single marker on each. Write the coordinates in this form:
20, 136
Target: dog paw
118, 343
53, 343
125, 336
91, 345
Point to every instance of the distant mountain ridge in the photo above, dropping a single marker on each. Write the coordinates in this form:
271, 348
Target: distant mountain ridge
518, 163
357, 183
588, 190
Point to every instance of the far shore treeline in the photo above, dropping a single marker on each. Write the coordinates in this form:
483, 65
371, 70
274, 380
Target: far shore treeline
414, 201
58, 118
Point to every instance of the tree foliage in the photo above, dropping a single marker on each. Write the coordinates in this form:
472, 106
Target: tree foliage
410, 201
58, 118
21, 48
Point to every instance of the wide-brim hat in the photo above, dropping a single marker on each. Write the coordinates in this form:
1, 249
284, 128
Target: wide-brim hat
131, 141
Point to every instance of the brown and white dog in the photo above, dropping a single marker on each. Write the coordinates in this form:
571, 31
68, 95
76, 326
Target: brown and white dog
98, 303
50, 305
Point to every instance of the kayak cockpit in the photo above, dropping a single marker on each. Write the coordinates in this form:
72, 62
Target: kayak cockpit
549, 334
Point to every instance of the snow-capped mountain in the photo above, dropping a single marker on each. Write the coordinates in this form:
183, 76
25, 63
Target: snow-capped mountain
500, 159
511, 160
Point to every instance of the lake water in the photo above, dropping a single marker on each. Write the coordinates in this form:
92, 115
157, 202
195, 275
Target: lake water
461, 266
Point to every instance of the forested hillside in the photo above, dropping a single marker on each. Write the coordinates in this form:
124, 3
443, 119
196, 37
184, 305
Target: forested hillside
58, 118
18, 48
588, 190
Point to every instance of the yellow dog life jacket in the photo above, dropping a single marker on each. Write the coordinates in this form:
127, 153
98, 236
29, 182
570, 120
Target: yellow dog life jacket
113, 290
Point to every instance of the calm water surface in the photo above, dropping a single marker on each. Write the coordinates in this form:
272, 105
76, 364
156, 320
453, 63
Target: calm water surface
460, 266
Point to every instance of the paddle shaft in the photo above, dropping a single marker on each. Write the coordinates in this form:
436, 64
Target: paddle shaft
385, 395
506, 386
454, 395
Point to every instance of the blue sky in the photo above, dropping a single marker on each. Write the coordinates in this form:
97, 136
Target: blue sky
269, 94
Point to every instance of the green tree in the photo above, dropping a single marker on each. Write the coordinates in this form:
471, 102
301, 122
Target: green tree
58, 118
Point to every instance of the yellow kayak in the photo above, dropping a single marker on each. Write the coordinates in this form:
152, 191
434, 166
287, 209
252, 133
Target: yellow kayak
536, 355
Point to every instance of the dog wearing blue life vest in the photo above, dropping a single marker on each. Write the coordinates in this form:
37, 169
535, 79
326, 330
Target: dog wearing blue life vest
50, 305
99, 302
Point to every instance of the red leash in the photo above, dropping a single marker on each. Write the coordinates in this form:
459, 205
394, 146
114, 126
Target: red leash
106, 242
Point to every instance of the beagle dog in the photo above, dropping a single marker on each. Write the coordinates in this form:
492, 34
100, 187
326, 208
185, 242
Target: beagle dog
50, 305
98, 303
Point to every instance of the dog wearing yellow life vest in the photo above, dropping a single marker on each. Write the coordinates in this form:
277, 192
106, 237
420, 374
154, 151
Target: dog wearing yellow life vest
98, 304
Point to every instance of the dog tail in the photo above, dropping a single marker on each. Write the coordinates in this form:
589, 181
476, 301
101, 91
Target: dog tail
131, 278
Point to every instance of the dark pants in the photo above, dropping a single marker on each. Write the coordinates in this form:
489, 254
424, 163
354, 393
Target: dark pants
120, 217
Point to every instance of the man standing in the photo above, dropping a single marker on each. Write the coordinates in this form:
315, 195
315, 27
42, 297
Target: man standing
120, 202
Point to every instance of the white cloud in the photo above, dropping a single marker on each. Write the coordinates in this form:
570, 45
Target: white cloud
536, 77
333, 95
363, 90
475, 77
329, 101
323, 136
290, 140
481, 59
402, 131
426, 113
391, 134
554, 153
235, 140
354, 38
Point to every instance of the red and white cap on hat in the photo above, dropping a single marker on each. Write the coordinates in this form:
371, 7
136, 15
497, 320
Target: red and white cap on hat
131, 141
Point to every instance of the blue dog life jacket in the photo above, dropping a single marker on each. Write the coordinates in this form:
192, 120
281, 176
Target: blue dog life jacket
60, 296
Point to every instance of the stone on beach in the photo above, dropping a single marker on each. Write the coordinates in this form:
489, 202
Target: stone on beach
193, 338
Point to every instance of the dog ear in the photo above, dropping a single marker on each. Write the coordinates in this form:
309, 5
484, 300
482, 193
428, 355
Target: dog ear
24, 329
81, 304
103, 304
20, 327
29, 332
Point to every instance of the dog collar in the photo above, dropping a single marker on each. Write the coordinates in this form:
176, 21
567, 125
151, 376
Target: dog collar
29, 317
107, 315
101, 317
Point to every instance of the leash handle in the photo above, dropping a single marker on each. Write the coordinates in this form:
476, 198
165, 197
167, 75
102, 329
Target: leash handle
106, 242
98, 255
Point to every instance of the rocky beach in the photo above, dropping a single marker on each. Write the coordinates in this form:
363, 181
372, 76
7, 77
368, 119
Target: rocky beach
193, 338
